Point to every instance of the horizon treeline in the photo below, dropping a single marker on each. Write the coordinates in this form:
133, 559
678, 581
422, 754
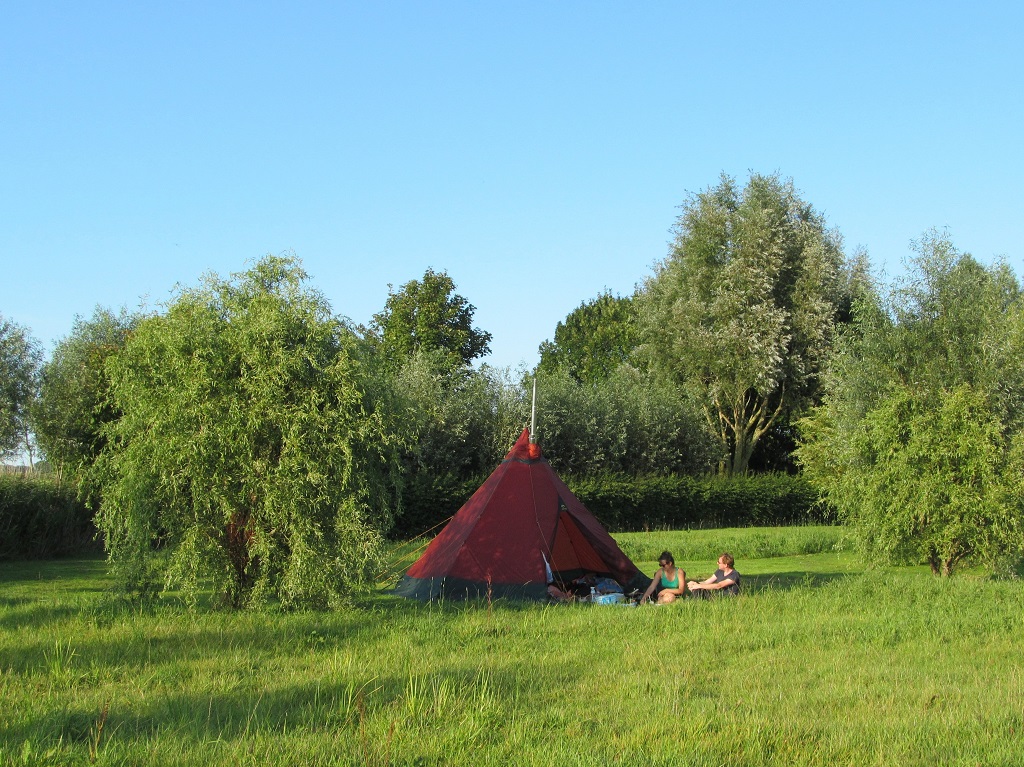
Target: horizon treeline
254, 436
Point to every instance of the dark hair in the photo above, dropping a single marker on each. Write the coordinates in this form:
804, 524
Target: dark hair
666, 556
727, 559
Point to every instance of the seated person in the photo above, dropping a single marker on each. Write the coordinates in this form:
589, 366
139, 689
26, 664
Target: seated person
582, 586
557, 595
726, 580
669, 582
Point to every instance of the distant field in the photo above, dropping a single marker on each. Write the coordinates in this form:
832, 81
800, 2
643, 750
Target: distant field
818, 663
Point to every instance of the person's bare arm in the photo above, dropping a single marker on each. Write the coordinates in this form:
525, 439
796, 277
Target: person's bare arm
654, 585
697, 586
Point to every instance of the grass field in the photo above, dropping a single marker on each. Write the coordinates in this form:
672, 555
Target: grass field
819, 663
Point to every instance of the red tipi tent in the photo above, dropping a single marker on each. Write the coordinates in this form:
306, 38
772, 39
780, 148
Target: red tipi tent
498, 541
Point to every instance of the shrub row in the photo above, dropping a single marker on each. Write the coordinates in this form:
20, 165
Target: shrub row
686, 503
41, 518
624, 503
427, 502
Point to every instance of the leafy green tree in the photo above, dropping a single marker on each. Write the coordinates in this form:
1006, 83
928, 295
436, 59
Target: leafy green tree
250, 450
74, 399
20, 359
741, 313
428, 315
776, 450
625, 423
424, 343
595, 339
458, 425
918, 442
453, 416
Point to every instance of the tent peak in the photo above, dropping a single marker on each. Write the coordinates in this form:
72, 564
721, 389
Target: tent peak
524, 449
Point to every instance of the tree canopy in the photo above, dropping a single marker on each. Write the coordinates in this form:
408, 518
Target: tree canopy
595, 339
74, 399
244, 434
249, 450
20, 359
428, 315
740, 314
918, 442
625, 423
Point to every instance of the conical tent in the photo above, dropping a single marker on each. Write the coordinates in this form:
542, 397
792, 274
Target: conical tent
521, 521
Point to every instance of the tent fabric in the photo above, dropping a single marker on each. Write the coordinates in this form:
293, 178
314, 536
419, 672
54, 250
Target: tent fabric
497, 542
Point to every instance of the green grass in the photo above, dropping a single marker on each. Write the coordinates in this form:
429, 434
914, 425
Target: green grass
743, 543
818, 663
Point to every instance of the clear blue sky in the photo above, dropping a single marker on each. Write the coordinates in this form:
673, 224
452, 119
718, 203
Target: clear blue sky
537, 151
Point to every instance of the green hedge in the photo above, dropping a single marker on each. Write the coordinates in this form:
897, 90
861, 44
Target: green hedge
685, 503
40, 518
625, 503
429, 501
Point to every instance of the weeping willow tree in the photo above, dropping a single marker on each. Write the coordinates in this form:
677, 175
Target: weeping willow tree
251, 452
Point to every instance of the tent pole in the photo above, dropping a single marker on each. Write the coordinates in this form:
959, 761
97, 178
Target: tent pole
533, 414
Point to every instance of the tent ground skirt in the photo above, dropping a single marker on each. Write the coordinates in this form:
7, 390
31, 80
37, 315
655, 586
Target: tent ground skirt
429, 589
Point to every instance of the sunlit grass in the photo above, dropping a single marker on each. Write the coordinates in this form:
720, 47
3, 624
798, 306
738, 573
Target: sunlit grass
818, 663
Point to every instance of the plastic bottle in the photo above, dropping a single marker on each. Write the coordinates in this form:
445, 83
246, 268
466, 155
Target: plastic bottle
593, 595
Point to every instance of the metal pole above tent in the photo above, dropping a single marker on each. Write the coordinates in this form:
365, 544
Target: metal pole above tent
533, 414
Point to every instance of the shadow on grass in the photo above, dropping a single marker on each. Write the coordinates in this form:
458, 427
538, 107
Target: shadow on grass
787, 581
42, 570
388, 602
169, 637
22, 613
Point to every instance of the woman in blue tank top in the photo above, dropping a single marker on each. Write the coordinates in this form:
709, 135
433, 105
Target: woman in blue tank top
669, 582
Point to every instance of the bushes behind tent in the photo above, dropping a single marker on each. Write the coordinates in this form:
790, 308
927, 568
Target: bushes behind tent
625, 503
684, 502
428, 501
41, 518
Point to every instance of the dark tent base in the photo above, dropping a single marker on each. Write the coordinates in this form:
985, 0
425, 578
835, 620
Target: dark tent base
430, 589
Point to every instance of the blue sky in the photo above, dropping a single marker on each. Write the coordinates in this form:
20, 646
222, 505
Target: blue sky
537, 151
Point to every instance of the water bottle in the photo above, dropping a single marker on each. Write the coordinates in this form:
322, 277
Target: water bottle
593, 595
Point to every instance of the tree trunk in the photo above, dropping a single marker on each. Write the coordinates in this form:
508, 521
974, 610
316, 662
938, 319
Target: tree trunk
942, 566
748, 422
743, 448
237, 536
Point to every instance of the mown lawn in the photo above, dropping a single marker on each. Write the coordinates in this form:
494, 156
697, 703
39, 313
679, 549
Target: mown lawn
819, 663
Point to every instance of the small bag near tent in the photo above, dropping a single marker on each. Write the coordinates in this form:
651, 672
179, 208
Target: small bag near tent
521, 530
